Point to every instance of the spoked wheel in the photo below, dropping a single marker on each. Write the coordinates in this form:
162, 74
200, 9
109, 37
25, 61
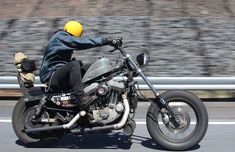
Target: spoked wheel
192, 126
22, 118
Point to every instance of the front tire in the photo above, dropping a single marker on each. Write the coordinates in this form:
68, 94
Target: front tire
22, 112
194, 121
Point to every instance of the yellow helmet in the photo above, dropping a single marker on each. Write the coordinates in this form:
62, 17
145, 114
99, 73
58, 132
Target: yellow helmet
74, 27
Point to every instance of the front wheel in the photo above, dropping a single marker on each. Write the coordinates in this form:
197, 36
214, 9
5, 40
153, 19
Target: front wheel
192, 115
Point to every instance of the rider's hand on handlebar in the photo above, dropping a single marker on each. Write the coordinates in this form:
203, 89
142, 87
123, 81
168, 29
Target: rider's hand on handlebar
116, 42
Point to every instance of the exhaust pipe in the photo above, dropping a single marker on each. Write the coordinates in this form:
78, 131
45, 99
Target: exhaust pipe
126, 113
60, 127
115, 126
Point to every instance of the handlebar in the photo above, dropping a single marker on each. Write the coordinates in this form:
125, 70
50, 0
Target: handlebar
117, 44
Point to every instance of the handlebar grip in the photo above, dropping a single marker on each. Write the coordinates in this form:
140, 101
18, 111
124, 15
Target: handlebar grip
117, 42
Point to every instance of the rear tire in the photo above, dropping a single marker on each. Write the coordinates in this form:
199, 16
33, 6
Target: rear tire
31, 140
177, 141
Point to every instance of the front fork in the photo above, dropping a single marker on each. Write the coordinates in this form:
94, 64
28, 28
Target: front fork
164, 106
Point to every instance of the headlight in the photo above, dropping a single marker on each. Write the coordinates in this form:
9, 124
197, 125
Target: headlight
142, 59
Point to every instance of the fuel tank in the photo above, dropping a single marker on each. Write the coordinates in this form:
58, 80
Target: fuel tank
98, 68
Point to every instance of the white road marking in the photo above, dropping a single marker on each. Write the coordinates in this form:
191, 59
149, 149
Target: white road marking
144, 123
5, 120
210, 123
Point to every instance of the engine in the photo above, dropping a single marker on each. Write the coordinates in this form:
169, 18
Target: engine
109, 106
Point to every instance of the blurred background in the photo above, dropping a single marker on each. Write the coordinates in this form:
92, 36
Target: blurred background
183, 37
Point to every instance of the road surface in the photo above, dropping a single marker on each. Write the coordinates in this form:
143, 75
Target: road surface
219, 137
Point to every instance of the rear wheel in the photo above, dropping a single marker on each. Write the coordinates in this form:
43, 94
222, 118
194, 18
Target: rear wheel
193, 121
22, 118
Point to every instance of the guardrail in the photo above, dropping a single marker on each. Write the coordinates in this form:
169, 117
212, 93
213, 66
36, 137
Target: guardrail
160, 83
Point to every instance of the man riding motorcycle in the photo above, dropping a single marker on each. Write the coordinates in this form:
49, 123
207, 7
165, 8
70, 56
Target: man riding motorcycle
176, 120
58, 70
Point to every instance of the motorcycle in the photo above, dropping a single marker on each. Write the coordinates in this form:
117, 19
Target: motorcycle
176, 120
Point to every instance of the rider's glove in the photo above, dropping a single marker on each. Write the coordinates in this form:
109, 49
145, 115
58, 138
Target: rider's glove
114, 42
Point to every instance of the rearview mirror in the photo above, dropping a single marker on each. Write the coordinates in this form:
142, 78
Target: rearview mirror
142, 59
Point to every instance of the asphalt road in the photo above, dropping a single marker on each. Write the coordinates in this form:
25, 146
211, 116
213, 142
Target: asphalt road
220, 135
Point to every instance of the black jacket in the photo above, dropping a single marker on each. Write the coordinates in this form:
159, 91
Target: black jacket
60, 48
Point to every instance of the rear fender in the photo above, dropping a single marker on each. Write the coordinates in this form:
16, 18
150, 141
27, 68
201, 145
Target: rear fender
35, 94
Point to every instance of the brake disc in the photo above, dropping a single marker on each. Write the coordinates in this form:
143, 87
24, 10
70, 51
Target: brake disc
184, 120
